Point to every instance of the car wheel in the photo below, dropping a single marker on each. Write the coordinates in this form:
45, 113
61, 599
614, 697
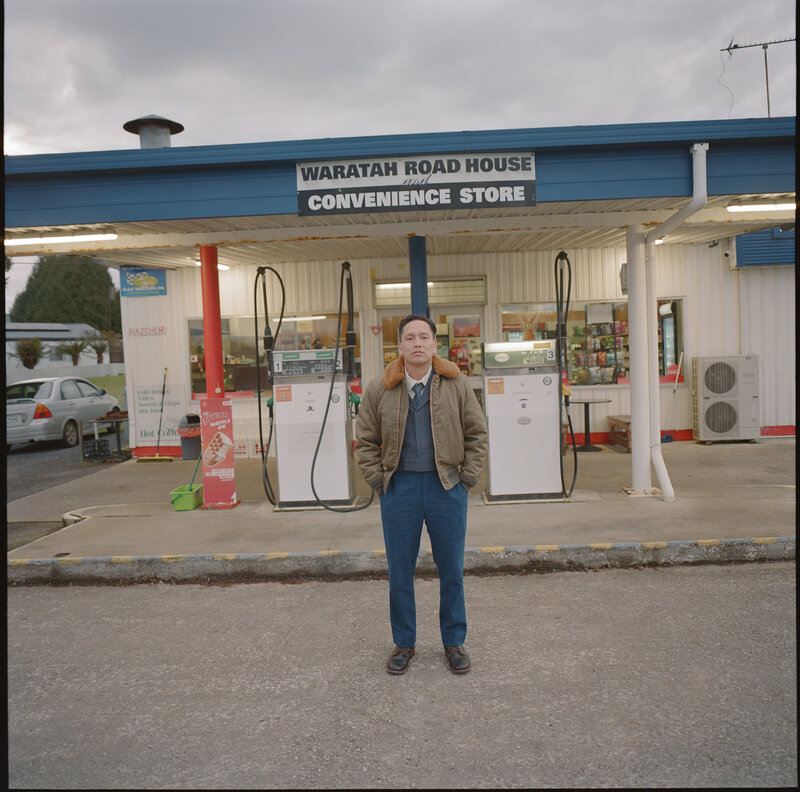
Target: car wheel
71, 433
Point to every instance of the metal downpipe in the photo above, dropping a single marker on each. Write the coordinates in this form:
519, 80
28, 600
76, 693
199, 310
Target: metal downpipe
698, 201
637, 338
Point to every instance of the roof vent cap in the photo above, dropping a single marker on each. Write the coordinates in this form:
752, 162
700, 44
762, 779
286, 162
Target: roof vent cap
153, 131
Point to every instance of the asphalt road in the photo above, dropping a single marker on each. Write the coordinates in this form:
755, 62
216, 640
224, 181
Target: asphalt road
35, 467
670, 677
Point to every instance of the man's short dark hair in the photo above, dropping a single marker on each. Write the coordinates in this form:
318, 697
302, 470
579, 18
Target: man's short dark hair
415, 318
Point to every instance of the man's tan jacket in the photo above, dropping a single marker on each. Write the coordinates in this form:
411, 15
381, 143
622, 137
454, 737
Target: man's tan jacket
460, 438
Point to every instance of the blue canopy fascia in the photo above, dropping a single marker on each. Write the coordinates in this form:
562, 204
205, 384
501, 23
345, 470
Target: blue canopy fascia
572, 164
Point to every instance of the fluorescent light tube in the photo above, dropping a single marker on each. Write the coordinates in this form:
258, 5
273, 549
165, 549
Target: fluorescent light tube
58, 240
762, 207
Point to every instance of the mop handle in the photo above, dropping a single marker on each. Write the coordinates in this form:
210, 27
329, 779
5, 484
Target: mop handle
677, 373
161, 412
200, 456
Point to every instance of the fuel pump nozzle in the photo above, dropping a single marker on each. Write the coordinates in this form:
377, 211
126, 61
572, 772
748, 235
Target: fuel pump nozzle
562, 264
269, 340
350, 333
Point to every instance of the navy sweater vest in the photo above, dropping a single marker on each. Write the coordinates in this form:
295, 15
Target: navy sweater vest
417, 452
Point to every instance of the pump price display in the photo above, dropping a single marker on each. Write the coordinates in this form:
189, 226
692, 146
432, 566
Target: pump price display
305, 363
519, 353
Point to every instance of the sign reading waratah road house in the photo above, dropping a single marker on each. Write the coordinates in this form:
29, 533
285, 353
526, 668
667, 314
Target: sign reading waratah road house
398, 184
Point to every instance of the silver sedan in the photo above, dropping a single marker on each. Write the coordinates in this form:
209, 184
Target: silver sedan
52, 408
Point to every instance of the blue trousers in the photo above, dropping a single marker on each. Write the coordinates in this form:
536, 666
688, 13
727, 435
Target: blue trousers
410, 499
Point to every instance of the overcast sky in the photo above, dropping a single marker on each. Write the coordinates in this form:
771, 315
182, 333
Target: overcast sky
240, 71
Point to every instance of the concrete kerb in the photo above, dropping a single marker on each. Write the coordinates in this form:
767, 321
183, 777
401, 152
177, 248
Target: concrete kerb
354, 564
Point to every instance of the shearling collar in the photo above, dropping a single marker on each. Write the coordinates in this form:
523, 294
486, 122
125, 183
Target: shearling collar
395, 372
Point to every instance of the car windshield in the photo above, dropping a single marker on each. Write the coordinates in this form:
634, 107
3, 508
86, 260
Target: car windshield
29, 390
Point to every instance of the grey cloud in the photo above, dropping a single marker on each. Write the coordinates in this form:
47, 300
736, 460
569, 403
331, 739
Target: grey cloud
249, 70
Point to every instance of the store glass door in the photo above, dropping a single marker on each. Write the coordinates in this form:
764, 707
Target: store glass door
459, 334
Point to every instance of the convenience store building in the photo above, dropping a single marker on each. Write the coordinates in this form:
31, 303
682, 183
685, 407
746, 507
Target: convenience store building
480, 216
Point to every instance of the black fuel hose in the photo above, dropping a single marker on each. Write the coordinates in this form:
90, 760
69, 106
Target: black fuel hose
351, 356
269, 344
562, 354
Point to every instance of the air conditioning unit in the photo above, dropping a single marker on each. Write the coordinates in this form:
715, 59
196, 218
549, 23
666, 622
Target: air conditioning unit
725, 398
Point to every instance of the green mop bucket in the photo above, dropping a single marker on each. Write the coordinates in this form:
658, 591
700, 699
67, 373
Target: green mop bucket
186, 498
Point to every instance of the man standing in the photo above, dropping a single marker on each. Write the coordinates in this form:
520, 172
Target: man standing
421, 442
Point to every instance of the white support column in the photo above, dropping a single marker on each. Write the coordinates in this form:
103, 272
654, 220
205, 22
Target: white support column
637, 339
697, 202
667, 492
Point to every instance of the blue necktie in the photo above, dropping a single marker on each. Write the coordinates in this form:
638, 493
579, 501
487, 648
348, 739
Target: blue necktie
418, 388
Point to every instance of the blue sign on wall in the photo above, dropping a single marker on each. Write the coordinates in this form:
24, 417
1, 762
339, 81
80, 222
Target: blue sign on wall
142, 281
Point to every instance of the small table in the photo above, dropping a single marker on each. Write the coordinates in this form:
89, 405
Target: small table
117, 423
587, 430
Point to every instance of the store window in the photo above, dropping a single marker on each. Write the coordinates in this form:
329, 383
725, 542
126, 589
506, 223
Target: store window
458, 337
239, 347
440, 292
456, 306
597, 337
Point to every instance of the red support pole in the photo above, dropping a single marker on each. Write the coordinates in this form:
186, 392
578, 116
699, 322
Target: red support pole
212, 323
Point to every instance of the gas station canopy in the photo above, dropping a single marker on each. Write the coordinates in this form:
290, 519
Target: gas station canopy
591, 183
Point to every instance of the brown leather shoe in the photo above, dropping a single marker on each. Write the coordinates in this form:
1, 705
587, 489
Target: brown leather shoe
457, 659
399, 659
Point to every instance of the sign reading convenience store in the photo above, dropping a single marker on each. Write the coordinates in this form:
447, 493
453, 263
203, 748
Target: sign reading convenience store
396, 184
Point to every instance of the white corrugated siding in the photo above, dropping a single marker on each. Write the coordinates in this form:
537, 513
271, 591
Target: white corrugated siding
726, 311
146, 356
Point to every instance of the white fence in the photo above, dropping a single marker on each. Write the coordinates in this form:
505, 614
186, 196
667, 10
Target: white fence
16, 371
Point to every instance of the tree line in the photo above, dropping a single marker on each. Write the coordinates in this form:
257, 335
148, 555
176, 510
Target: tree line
68, 289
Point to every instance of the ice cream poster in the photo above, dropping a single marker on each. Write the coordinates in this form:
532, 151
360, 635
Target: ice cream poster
216, 433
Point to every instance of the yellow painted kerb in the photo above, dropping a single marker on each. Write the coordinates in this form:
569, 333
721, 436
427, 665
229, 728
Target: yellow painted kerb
497, 549
765, 540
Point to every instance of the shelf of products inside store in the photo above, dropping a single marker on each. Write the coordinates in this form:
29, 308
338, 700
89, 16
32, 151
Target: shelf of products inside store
599, 353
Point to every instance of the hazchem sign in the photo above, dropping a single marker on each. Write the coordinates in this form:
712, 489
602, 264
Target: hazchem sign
397, 184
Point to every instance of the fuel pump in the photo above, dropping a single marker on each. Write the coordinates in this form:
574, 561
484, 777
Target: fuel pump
310, 417
526, 393
312, 423
521, 398
349, 366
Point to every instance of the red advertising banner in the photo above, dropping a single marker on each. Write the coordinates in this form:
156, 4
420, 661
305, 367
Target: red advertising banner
219, 483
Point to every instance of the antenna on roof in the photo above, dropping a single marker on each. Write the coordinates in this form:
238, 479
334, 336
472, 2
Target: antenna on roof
763, 44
